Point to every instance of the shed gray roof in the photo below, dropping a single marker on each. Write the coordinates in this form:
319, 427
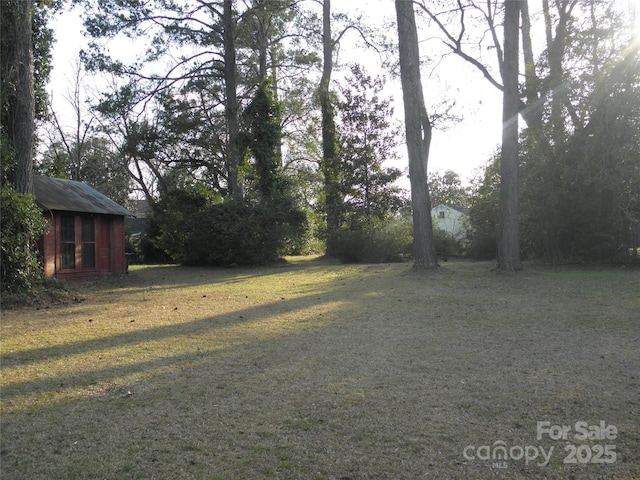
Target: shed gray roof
71, 196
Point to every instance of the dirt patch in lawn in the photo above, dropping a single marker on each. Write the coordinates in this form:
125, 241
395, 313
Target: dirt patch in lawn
323, 371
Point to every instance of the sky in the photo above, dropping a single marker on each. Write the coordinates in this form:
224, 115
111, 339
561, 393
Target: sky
462, 147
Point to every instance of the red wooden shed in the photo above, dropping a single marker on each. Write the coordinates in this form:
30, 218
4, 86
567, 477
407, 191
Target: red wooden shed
86, 236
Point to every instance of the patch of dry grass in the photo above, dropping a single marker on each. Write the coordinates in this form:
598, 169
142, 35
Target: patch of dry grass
322, 371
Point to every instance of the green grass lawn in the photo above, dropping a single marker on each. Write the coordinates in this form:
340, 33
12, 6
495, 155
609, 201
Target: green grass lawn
314, 370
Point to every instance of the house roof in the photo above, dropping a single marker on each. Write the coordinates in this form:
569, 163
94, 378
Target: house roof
71, 196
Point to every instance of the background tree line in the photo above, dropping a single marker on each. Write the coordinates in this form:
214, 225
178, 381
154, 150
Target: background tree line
230, 124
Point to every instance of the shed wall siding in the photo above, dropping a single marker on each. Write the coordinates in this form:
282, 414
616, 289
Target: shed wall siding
48, 246
119, 246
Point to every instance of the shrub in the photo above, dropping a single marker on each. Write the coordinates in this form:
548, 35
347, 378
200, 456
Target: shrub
232, 233
22, 225
376, 241
193, 230
348, 245
446, 245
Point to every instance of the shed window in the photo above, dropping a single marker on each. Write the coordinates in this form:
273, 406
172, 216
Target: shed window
88, 243
441, 214
68, 242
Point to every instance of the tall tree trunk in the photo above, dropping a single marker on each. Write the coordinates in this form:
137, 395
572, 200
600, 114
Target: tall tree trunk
273, 53
330, 162
555, 53
233, 123
267, 50
556, 49
533, 112
261, 36
509, 241
21, 98
418, 132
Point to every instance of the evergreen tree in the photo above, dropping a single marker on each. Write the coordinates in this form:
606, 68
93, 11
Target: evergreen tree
367, 140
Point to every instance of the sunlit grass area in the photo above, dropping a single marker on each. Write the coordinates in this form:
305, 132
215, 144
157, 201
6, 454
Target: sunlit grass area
311, 369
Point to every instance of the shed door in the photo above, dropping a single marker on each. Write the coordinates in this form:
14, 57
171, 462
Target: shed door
104, 244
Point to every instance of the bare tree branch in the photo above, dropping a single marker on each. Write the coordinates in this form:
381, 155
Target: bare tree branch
455, 44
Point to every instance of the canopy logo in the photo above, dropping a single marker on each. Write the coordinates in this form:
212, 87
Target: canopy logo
586, 450
499, 453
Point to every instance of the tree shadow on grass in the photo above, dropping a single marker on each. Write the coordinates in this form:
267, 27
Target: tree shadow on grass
291, 315
181, 329
171, 277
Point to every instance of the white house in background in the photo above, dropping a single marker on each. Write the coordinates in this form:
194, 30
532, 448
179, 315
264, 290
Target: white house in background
451, 220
